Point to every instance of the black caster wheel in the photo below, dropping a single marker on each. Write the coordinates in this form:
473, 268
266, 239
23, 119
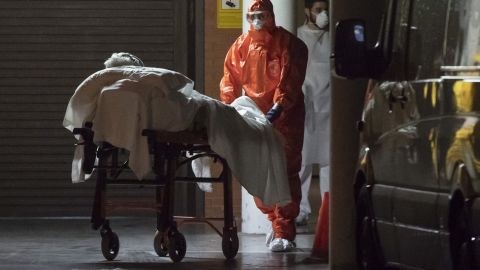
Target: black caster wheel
230, 243
177, 246
160, 244
110, 245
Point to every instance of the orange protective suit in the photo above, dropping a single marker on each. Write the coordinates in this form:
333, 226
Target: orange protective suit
270, 65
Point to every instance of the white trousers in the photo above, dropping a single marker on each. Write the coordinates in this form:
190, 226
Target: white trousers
306, 179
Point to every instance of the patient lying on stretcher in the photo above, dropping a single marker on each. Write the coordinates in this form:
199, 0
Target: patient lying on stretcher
126, 98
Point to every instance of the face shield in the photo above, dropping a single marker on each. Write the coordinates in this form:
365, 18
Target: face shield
257, 19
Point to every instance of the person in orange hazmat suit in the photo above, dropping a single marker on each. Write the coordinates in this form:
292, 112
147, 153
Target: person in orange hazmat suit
269, 64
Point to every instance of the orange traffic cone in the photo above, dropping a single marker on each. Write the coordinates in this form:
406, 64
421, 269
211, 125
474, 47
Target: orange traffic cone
320, 243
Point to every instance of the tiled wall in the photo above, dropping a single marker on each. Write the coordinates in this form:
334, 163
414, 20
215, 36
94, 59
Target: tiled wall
217, 42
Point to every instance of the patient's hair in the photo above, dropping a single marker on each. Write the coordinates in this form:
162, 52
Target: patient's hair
123, 59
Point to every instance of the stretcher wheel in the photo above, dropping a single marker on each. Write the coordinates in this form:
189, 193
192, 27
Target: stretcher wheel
177, 246
110, 245
160, 245
230, 243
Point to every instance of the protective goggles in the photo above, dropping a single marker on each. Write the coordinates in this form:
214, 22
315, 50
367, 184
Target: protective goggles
261, 15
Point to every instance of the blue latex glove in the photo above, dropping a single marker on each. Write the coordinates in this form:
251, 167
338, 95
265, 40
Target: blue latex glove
274, 113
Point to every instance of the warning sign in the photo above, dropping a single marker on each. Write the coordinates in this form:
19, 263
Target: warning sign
229, 13
233, 4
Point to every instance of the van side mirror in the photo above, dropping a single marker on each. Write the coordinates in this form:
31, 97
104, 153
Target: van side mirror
351, 56
350, 51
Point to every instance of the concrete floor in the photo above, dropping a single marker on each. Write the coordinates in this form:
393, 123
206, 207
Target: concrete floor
71, 244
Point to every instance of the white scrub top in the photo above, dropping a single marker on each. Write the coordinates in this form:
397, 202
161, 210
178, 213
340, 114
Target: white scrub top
316, 88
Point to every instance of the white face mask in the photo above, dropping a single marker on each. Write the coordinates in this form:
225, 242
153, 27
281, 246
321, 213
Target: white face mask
257, 24
321, 19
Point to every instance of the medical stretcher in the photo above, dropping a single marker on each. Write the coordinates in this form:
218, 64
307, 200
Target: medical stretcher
170, 151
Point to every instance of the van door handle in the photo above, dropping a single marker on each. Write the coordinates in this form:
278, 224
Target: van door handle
393, 99
405, 25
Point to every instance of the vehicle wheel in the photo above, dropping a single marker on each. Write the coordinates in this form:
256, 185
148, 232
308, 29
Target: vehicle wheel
110, 245
230, 243
460, 246
160, 244
369, 255
177, 246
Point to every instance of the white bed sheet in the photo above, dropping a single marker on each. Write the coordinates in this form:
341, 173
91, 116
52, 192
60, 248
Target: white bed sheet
123, 101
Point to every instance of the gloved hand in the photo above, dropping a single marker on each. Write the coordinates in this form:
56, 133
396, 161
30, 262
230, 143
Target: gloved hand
274, 113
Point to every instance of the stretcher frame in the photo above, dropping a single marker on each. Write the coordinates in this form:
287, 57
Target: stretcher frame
169, 151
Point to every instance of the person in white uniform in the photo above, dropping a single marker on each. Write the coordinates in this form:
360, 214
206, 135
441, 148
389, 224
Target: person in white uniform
316, 89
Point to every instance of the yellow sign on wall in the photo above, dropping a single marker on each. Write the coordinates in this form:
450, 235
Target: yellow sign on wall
229, 13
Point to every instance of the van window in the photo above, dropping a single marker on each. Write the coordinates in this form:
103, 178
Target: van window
427, 32
396, 69
462, 46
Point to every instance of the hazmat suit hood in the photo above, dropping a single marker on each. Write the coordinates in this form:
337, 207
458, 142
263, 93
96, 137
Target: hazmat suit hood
264, 5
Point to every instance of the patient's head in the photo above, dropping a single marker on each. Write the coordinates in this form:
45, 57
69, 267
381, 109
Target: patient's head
123, 59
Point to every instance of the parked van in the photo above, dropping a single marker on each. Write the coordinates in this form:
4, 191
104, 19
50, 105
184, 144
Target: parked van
418, 178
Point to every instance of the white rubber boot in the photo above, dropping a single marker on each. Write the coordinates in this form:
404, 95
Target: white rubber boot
281, 245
